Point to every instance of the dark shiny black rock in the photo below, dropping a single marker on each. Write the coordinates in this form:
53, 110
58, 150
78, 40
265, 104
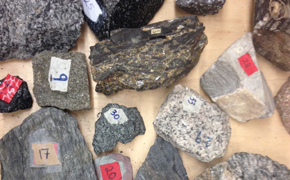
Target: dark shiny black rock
200, 7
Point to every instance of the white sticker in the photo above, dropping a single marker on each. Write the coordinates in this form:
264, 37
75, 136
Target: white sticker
156, 31
59, 74
92, 9
191, 103
116, 116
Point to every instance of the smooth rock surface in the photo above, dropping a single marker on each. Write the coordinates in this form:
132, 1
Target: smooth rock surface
46, 125
28, 27
116, 123
193, 125
200, 7
154, 56
236, 83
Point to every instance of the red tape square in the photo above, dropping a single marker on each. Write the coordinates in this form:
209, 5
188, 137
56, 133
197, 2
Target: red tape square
9, 87
111, 171
247, 64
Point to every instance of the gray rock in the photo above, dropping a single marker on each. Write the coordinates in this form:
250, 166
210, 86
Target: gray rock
248, 167
193, 125
163, 162
200, 7
77, 96
29, 26
72, 161
236, 83
117, 123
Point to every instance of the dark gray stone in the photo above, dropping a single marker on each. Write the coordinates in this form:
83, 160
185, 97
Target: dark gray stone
200, 7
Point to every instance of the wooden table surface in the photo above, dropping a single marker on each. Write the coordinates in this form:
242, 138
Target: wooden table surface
267, 136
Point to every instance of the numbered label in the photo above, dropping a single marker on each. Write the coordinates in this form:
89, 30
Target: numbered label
45, 154
92, 9
156, 31
248, 64
191, 103
9, 87
116, 116
199, 138
111, 171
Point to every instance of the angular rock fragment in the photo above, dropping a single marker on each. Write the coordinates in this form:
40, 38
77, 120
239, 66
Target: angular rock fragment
162, 162
193, 125
28, 27
236, 83
47, 145
200, 7
246, 166
117, 123
154, 56
61, 80
271, 35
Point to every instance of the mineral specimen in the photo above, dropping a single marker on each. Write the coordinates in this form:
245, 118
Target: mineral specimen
14, 94
154, 56
200, 7
271, 34
246, 166
117, 123
236, 83
61, 80
162, 162
47, 145
193, 125
103, 16
114, 166
28, 27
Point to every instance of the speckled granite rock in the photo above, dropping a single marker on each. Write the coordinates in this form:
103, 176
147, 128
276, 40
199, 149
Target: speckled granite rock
246, 166
28, 27
193, 125
117, 123
236, 83
200, 7
271, 34
77, 96
162, 162
154, 56
46, 125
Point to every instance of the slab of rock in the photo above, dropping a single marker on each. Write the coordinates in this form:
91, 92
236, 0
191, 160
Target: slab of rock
65, 156
236, 83
28, 27
114, 166
117, 123
246, 166
271, 35
154, 56
73, 78
200, 7
193, 125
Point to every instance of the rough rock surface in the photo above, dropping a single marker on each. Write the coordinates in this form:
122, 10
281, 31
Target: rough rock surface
162, 162
193, 125
28, 27
271, 34
246, 166
236, 83
77, 97
117, 14
51, 125
117, 123
154, 56
200, 7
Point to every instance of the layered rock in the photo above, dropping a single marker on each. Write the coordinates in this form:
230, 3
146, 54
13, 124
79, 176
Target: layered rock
200, 7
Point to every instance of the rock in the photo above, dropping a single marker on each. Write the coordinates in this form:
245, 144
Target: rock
154, 56
61, 80
236, 83
114, 166
65, 156
193, 125
104, 16
246, 166
162, 162
271, 35
28, 27
14, 94
117, 123
200, 7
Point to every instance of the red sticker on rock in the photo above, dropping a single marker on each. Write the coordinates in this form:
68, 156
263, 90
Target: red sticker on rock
9, 87
247, 64
111, 171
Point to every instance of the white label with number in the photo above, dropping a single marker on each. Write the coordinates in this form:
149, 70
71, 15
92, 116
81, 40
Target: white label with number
191, 103
116, 116
92, 9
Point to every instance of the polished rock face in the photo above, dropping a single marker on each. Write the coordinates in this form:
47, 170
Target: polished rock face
236, 84
200, 7
153, 56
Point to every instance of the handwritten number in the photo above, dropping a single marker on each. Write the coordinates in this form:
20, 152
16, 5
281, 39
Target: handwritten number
114, 113
89, 5
47, 153
191, 101
198, 139
112, 175
246, 63
208, 141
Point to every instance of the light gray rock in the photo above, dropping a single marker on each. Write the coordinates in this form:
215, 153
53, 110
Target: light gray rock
193, 125
236, 83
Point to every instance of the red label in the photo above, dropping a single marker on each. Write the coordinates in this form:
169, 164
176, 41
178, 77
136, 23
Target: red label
9, 87
247, 64
111, 171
